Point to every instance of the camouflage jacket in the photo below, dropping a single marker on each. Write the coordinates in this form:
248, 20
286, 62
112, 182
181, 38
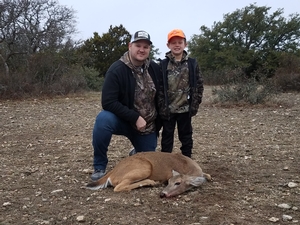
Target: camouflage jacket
118, 92
195, 88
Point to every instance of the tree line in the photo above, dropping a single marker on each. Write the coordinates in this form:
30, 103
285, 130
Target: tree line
38, 54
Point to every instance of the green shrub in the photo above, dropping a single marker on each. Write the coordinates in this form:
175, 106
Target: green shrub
240, 89
93, 80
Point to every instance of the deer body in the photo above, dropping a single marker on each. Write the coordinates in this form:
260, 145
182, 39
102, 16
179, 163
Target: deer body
150, 169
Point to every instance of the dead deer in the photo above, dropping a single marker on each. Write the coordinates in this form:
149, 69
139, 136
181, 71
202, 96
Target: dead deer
151, 169
180, 183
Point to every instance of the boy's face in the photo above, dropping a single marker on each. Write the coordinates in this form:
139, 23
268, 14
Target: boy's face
177, 45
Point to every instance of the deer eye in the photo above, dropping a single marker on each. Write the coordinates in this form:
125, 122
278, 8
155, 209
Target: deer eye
177, 183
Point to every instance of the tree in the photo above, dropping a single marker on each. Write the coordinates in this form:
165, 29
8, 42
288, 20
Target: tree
154, 51
32, 26
248, 38
37, 54
100, 52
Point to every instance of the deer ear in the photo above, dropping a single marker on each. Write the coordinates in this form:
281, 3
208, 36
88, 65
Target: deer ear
175, 173
197, 181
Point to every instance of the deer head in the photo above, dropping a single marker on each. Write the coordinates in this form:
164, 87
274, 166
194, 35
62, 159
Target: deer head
180, 183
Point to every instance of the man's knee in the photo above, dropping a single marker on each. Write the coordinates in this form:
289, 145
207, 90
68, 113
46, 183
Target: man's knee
106, 119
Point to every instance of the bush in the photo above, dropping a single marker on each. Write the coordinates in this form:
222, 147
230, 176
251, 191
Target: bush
287, 82
93, 80
221, 77
287, 77
213, 78
22, 85
241, 89
68, 83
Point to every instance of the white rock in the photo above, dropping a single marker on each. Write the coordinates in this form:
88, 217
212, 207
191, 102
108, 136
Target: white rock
80, 218
286, 168
107, 200
6, 203
55, 191
87, 171
292, 184
287, 218
284, 206
274, 219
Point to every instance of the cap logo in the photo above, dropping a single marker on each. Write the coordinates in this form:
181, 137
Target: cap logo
142, 34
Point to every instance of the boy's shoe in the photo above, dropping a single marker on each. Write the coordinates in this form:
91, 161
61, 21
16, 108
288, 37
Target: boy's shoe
132, 152
97, 174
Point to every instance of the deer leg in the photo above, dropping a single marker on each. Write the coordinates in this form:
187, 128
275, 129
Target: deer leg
135, 178
127, 185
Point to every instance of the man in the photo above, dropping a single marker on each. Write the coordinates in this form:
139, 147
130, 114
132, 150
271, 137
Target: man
129, 102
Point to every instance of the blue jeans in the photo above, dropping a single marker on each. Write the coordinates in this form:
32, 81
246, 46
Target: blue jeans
105, 126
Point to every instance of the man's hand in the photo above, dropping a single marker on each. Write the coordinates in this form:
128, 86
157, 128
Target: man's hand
140, 124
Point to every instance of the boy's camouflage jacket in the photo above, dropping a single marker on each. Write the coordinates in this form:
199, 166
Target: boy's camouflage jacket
196, 88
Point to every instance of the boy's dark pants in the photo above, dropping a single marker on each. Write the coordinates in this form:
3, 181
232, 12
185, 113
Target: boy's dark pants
185, 132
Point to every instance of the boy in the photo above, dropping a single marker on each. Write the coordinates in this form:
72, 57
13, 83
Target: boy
181, 89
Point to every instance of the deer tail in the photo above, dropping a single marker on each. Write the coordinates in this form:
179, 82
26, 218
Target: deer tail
103, 182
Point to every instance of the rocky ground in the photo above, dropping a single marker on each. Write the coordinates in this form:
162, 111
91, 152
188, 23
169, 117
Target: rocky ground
252, 154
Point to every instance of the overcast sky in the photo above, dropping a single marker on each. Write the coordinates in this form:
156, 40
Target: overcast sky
159, 17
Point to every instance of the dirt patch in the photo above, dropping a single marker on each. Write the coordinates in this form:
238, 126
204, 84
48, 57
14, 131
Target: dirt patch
252, 153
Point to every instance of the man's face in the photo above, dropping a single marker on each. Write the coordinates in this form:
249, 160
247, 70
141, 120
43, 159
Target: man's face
139, 50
